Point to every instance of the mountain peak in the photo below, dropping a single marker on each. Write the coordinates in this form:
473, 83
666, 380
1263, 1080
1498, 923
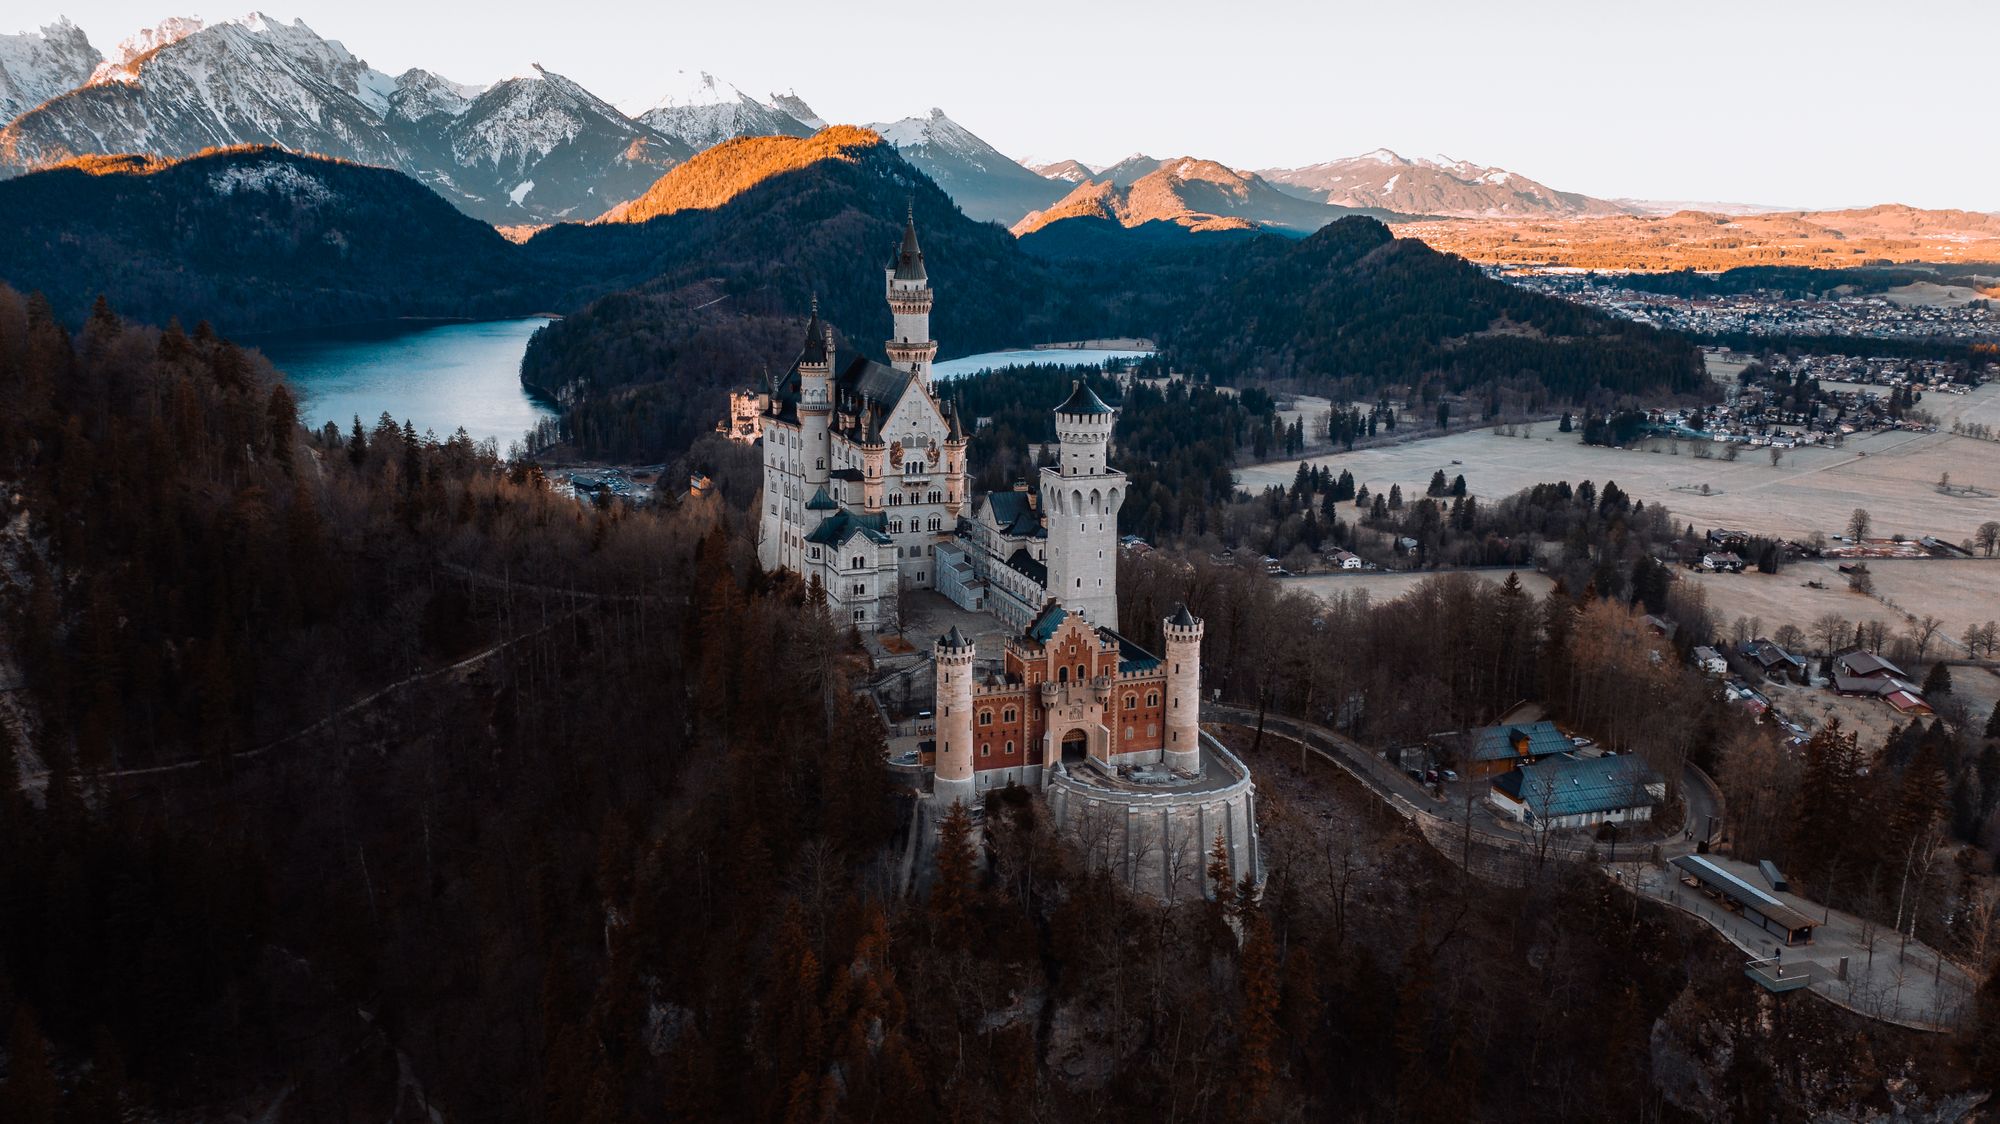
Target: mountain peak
38, 65
716, 175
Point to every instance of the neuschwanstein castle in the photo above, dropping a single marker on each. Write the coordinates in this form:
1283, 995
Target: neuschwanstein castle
865, 484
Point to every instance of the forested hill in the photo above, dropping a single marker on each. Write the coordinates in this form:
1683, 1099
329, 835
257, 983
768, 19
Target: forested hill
644, 371
251, 238
1352, 309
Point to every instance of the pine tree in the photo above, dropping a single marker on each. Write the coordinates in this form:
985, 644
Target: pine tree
952, 897
1938, 682
1993, 723
1257, 1023
1438, 485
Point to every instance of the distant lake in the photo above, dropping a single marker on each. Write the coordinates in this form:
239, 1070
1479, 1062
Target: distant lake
1043, 357
436, 376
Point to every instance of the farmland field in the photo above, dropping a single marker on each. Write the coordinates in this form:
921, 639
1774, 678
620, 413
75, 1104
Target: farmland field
1811, 489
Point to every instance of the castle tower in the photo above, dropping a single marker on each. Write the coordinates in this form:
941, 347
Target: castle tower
953, 781
911, 347
872, 451
954, 463
815, 402
1080, 500
1183, 740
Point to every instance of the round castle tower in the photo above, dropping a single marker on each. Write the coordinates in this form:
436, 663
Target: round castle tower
1080, 500
953, 781
1183, 655
909, 292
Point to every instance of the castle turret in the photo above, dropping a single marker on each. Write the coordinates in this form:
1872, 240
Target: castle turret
954, 462
1080, 500
953, 780
815, 400
872, 451
1183, 741
910, 348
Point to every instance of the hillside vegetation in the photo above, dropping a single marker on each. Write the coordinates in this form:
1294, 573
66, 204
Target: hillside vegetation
717, 175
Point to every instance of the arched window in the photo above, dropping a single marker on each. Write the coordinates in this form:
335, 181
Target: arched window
1131, 702
985, 749
1010, 748
1152, 698
1009, 714
1062, 675
1128, 732
1082, 673
985, 717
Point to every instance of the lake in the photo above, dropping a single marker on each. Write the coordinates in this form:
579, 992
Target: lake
1040, 357
442, 376
436, 376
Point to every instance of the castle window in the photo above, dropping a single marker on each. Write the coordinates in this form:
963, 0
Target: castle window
1152, 730
860, 589
1008, 715
1082, 673
1152, 698
1010, 748
1062, 675
986, 718
854, 563
1131, 702
985, 749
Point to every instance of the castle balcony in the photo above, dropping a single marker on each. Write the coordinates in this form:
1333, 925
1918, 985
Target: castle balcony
1051, 691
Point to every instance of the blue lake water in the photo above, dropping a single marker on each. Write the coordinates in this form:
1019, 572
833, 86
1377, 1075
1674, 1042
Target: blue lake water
437, 376
1047, 357
443, 376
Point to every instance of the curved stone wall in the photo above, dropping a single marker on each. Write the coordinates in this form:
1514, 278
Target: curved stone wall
1159, 839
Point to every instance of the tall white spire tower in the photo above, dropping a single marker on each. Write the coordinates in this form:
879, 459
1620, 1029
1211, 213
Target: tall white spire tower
911, 348
1080, 499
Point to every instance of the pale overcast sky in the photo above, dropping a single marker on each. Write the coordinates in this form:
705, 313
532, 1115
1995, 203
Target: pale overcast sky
1819, 104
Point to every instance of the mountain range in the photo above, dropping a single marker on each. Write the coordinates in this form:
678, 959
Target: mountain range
1201, 195
541, 148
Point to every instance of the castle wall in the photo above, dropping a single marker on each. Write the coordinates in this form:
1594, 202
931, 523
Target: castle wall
1159, 841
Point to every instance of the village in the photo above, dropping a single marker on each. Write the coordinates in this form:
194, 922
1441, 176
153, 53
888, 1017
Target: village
1871, 316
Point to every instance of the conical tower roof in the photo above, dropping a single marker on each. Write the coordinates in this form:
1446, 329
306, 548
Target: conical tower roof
1083, 400
910, 258
815, 349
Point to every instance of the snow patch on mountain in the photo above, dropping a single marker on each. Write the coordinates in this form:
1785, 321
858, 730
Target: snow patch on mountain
271, 177
1433, 185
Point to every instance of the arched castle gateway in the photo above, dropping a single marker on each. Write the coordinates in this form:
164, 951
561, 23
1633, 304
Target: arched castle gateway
865, 487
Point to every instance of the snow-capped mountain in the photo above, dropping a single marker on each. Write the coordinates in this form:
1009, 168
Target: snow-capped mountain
37, 65
1436, 186
1131, 170
1201, 195
984, 182
530, 149
705, 111
1068, 171
796, 108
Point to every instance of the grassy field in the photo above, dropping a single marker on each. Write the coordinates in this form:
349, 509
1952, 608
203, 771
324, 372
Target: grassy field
1811, 489
1959, 592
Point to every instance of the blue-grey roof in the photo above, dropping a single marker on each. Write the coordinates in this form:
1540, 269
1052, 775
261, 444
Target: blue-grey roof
1013, 514
1182, 618
1045, 624
843, 525
909, 257
1567, 785
1498, 743
1083, 400
1131, 657
1024, 562
821, 502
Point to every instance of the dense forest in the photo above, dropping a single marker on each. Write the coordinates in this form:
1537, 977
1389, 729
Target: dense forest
365, 777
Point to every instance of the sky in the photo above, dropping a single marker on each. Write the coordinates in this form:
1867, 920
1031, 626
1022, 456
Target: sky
1825, 104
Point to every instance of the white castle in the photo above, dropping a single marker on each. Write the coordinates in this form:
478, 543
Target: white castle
865, 488
865, 484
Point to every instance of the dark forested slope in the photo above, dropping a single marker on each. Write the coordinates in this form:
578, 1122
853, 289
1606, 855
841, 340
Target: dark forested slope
252, 238
1354, 308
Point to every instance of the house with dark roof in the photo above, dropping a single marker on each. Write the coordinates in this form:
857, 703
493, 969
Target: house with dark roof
1774, 661
1498, 749
1567, 791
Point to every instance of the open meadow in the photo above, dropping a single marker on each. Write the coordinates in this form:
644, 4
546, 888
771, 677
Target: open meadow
1893, 475
1387, 585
